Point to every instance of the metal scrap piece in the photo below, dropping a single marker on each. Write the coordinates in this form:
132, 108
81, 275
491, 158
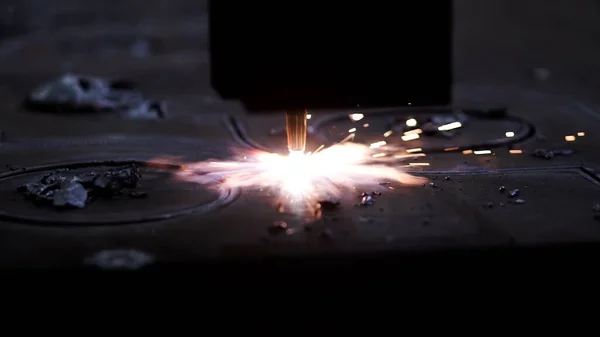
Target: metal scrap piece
543, 153
367, 200
70, 194
123, 259
549, 154
74, 93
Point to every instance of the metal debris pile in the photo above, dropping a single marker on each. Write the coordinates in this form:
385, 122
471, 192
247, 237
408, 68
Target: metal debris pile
63, 190
77, 94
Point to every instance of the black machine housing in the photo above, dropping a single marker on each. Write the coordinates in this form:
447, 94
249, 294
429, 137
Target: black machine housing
277, 55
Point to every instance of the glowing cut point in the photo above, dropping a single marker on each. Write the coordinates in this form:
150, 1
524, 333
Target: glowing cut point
509, 134
411, 122
299, 180
357, 117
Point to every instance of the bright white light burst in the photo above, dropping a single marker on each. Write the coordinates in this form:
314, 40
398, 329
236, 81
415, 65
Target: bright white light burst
303, 177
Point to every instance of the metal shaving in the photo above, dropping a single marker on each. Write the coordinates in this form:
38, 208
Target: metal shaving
550, 154
367, 200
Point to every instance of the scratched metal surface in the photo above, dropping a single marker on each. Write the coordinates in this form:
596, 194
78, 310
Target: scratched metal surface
497, 46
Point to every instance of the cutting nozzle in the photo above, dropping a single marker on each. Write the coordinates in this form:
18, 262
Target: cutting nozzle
295, 125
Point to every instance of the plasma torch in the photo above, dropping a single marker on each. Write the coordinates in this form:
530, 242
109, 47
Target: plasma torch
275, 57
295, 127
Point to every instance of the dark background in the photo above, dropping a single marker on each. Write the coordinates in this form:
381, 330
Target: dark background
499, 41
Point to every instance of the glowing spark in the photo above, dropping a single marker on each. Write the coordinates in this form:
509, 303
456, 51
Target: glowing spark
404, 156
417, 149
483, 152
378, 155
352, 130
357, 117
413, 132
411, 122
580, 134
570, 138
451, 149
388, 133
451, 126
320, 148
509, 134
366, 125
418, 164
308, 116
515, 151
299, 178
467, 151
406, 138
348, 137
378, 144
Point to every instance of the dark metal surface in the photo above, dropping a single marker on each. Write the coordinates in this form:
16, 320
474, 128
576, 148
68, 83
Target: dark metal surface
498, 48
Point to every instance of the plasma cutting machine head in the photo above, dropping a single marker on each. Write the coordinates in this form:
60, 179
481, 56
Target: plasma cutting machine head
279, 56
